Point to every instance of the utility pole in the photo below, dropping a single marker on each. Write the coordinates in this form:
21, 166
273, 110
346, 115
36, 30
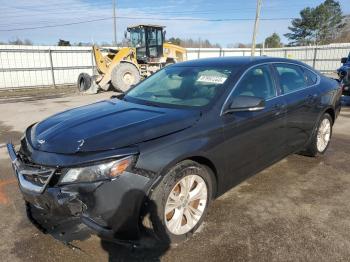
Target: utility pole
114, 25
256, 25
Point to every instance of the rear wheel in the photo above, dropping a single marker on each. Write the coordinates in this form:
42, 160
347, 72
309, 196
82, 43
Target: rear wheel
181, 201
124, 75
322, 137
84, 82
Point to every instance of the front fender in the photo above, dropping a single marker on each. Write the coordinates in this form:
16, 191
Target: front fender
159, 156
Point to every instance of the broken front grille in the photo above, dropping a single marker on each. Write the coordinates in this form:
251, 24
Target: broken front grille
32, 177
40, 178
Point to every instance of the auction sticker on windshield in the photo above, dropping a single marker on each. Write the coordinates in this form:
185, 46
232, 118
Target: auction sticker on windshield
212, 79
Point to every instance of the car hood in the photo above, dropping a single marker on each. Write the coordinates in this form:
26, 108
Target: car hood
106, 125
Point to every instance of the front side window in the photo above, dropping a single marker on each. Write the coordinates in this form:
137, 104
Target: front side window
291, 78
181, 86
256, 82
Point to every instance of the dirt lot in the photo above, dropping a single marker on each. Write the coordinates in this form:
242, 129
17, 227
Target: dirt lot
297, 210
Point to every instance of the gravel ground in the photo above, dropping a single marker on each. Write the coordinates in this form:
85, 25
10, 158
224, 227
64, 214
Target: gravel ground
296, 210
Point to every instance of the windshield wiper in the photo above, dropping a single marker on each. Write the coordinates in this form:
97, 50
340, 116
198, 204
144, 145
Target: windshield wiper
148, 103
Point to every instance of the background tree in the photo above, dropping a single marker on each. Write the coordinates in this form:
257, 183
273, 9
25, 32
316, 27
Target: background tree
175, 40
62, 42
19, 41
241, 45
344, 36
273, 41
319, 25
192, 43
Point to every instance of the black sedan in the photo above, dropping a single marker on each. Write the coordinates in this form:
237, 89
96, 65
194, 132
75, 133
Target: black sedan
156, 156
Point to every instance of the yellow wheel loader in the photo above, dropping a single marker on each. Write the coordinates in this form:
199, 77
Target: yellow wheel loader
124, 67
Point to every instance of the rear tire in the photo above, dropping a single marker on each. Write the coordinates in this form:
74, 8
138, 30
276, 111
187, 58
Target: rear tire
123, 76
191, 207
321, 138
84, 82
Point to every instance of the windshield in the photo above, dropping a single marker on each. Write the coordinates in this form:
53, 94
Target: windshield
182, 86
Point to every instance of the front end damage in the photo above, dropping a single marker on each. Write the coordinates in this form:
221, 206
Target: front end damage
110, 207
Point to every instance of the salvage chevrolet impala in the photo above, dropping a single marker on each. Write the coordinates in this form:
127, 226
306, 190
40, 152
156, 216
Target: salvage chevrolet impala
158, 155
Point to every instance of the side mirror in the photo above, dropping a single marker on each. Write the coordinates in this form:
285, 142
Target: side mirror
246, 103
342, 73
344, 60
125, 34
164, 33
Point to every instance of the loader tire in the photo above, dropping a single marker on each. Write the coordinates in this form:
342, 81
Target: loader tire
84, 82
124, 75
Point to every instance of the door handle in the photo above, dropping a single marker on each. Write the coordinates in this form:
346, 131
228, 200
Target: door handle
279, 106
311, 97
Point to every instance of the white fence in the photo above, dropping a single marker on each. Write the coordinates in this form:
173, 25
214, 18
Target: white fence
38, 66
323, 58
35, 66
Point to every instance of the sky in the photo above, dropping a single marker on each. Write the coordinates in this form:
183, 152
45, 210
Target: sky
221, 21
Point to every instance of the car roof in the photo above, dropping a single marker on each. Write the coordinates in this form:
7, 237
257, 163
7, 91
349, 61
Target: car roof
236, 61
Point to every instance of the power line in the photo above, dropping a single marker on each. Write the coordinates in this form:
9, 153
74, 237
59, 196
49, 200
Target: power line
43, 8
57, 25
65, 11
145, 18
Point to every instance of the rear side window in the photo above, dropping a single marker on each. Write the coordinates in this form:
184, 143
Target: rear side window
256, 82
310, 77
291, 77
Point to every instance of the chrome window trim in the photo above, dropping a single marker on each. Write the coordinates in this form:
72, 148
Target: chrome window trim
277, 95
317, 82
314, 74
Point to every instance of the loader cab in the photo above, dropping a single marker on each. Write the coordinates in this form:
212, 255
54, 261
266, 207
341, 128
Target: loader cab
148, 42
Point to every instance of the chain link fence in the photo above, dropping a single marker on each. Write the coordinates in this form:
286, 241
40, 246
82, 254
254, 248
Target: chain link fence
43, 66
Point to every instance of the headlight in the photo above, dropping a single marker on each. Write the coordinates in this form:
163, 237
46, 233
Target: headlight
98, 172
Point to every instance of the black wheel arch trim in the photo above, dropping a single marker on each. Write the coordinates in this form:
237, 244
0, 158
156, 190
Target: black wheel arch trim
198, 158
327, 109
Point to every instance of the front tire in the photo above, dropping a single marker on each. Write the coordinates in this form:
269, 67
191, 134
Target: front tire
124, 75
322, 137
181, 200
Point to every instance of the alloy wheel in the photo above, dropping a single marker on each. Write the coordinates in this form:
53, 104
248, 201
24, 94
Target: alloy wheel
186, 204
323, 135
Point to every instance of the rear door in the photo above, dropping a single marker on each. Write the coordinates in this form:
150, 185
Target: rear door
299, 87
254, 140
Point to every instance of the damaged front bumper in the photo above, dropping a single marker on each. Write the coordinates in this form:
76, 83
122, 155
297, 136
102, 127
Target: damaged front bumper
112, 208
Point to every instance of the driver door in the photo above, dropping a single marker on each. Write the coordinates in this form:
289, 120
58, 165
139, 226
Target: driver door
254, 140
